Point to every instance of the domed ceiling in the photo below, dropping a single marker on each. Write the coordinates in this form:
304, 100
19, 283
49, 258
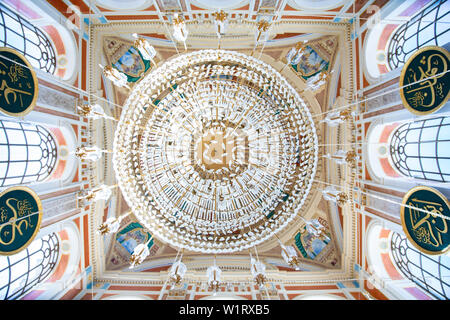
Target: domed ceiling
217, 152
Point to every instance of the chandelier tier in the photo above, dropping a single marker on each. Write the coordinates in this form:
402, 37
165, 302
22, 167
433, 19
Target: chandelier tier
215, 151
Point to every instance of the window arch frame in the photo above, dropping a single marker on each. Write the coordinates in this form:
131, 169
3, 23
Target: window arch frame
47, 60
398, 142
396, 56
399, 245
51, 153
51, 252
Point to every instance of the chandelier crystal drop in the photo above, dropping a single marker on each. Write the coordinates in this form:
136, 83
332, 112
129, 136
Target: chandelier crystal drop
215, 151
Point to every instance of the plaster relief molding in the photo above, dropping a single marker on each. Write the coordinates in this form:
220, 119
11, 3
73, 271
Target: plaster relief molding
385, 97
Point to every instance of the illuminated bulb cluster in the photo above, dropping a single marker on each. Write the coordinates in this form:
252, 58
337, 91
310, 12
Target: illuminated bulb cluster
215, 151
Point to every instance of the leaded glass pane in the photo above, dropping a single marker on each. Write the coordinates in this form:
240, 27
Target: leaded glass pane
28, 153
420, 149
428, 27
19, 34
429, 272
20, 272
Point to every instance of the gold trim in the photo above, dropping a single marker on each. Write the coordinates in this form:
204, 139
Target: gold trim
402, 75
35, 81
402, 215
38, 226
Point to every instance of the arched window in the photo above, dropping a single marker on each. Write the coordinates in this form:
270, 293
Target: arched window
421, 149
20, 272
428, 27
19, 34
28, 153
431, 273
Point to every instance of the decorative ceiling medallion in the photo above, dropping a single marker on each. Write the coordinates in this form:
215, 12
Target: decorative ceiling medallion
424, 81
215, 151
423, 219
20, 219
18, 84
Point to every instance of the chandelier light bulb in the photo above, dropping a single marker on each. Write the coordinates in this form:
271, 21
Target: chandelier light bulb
147, 51
177, 272
115, 76
180, 31
220, 22
139, 254
258, 270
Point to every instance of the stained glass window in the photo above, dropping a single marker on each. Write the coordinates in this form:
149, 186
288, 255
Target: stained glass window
431, 273
421, 149
20, 272
428, 27
28, 153
19, 34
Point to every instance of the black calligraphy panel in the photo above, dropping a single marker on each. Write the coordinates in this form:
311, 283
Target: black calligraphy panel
425, 213
18, 83
424, 81
20, 219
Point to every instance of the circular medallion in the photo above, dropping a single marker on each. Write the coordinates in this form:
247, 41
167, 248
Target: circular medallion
215, 151
422, 220
18, 83
20, 219
424, 85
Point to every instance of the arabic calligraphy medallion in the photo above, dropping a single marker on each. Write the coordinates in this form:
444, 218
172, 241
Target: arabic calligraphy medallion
427, 230
20, 219
18, 83
424, 85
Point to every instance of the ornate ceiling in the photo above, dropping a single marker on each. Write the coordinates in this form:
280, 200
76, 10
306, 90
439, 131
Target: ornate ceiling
330, 256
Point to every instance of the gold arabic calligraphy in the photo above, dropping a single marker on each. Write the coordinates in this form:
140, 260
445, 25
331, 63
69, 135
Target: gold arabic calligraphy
15, 72
425, 226
427, 80
17, 222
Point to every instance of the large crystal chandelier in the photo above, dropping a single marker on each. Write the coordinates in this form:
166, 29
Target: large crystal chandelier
215, 151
